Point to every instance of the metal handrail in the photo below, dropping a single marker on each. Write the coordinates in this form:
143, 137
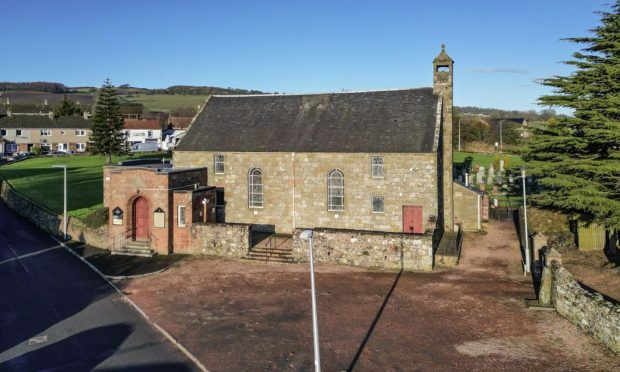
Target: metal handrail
119, 239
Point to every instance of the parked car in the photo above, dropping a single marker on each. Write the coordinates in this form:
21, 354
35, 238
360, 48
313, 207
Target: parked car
144, 147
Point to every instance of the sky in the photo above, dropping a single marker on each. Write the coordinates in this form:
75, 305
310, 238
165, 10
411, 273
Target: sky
500, 48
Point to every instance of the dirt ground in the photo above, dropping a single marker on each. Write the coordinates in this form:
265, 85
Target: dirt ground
594, 270
251, 316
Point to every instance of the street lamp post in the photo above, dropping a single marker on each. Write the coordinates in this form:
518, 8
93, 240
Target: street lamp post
527, 237
64, 212
307, 235
459, 134
501, 145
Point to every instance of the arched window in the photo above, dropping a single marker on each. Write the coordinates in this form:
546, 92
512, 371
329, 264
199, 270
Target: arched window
255, 188
335, 191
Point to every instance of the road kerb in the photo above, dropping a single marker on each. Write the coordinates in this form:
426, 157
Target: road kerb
126, 299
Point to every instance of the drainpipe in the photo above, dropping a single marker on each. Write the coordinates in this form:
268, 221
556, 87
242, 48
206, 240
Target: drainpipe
294, 182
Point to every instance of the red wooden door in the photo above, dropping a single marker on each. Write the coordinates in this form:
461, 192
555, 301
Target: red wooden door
141, 219
412, 220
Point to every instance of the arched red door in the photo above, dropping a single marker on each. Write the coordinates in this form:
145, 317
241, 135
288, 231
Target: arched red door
140, 219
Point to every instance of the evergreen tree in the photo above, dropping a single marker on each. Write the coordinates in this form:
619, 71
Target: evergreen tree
67, 108
578, 164
107, 131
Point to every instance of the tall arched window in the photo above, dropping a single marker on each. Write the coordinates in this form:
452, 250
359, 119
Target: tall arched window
255, 188
335, 191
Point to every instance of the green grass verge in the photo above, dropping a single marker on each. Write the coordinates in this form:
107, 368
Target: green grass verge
38, 181
166, 102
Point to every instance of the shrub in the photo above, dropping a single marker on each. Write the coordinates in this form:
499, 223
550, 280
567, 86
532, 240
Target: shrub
37, 151
97, 218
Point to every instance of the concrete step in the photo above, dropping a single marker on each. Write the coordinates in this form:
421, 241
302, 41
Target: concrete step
270, 250
137, 243
271, 259
135, 252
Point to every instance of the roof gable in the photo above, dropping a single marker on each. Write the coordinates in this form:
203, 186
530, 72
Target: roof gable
379, 121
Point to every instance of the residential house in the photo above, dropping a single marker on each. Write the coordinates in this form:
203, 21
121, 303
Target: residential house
177, 126
65, 133
142, 130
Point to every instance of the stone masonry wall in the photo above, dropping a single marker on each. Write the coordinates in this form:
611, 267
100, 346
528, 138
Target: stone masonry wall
218, 239
295, 184
367, 249
467, 211
588, 311
51, 223
42, 217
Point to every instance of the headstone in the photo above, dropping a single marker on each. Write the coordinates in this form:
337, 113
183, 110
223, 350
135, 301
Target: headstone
501, 165
471, 179
480, 175
491, 177
510, 179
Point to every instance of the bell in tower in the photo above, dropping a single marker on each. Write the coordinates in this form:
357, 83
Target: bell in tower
442, 72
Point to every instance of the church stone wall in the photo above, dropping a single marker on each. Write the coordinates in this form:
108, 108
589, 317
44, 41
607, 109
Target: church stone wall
295, 184
368, 249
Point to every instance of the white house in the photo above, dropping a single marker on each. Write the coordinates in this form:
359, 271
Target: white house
143, 130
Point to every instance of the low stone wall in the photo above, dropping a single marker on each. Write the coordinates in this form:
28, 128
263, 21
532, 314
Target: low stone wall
589, 311
367, 249
50, 222
218, 239
42, 217
78, 231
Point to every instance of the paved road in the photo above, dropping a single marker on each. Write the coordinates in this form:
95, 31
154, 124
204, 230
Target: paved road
57, 314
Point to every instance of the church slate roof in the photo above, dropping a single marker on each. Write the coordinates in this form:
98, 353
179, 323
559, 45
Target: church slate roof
44, 121
376, 121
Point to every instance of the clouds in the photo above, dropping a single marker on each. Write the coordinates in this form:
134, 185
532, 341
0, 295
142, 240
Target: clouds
498, 70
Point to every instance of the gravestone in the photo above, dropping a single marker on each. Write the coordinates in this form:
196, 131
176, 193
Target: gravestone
471, 179
501, 165
480, 175
491, 177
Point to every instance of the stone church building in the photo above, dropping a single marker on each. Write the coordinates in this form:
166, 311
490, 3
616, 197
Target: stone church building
363, 161
378, 162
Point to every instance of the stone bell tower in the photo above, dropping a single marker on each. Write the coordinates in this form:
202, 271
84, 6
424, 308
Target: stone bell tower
442, 85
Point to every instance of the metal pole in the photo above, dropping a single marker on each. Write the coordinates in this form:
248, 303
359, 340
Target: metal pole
64, 209
527, 237
65, 202
459, 134
501, 145
315, 320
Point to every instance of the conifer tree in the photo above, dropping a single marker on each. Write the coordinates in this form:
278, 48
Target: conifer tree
67, 108
578, 165
107, 135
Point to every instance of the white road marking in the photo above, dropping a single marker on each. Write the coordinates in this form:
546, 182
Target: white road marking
30, 254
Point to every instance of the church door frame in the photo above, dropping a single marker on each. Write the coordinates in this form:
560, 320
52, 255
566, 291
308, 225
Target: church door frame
141, 223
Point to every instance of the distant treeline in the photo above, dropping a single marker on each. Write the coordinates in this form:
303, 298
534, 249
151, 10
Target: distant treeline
35, 86
530, 115
201, 90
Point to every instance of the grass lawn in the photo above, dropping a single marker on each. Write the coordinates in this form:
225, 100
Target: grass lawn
166, 102
513, 196
485, 160
37, 180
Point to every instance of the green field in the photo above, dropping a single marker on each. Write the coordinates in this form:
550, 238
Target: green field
166, 102
474, 158
38, 181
